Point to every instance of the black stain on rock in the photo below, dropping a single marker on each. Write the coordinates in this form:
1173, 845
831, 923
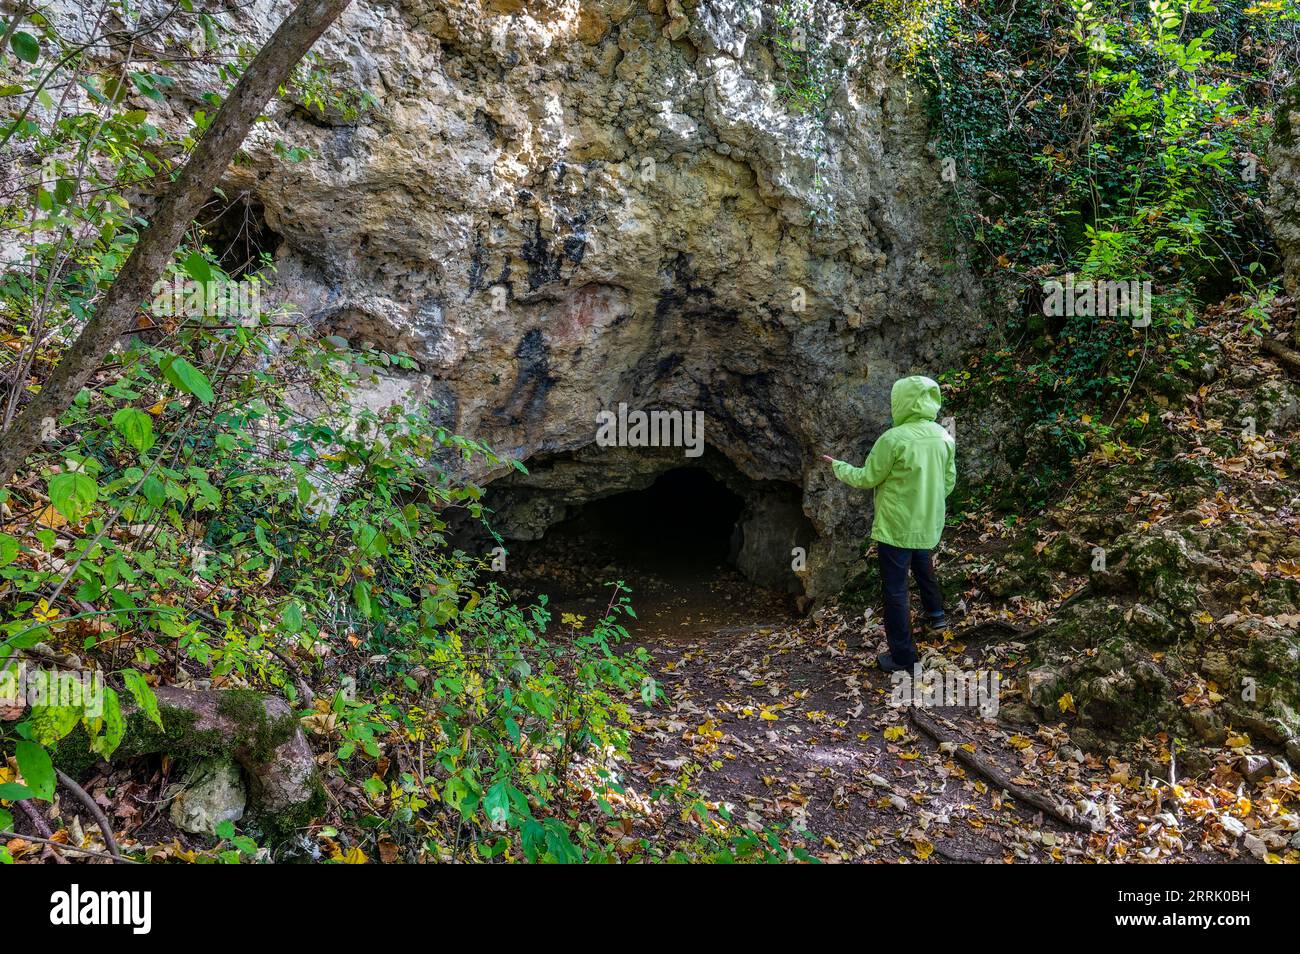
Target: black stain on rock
526, 402
477, 264
543, 267
545, 264
575, 243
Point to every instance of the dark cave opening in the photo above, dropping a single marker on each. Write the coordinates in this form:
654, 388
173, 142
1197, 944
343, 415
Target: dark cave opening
695, 546
684, 523
237, 232
692, 530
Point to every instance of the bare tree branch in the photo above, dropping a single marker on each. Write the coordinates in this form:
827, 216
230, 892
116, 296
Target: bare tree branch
176, 210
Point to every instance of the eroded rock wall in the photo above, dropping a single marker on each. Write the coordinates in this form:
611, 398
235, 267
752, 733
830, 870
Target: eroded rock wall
1284, 185
558, 206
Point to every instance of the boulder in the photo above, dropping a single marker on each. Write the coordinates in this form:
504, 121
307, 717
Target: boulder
213, 792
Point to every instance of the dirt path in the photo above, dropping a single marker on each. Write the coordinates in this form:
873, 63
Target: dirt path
789, 724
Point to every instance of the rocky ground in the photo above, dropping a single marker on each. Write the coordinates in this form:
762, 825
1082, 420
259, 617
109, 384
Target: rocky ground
792, 726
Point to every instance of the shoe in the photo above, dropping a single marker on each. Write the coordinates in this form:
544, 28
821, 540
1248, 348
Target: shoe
934, 627
886, 662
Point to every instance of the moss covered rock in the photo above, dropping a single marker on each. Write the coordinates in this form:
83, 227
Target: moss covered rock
258, 732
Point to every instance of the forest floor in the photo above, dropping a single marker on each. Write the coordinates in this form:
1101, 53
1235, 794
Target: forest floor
788, 724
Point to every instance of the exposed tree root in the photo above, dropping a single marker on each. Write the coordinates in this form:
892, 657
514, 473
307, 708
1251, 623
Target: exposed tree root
117, 859
95, 811
992, 774
1289, 358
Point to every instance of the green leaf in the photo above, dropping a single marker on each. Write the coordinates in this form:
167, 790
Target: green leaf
143, 695
361, 596
147, 84
112, 724
8, 549
136, 426
15, 792
154, 491
559, 844
496, 805
293, 617
197, 267
6, 821
533, 836
72, 493
36, 768
26, 46
188, 378
51, 723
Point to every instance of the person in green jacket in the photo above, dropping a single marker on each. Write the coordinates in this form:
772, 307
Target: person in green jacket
912, 468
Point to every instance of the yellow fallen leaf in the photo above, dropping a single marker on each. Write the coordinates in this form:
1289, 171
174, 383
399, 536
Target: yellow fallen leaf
1066, 703
894, 733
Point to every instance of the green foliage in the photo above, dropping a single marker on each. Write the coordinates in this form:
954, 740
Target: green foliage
36, 768
1105, 141
808, 64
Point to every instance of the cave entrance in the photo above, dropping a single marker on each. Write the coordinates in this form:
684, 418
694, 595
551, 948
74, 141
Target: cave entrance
703, 547
237, 232
683, 525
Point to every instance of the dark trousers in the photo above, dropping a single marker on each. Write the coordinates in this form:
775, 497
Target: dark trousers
894, 562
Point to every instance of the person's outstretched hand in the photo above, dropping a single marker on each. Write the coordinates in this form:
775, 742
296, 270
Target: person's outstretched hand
828, 458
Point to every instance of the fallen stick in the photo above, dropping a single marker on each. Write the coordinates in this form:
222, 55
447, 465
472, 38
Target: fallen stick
95, 811
1285, 355
118, 859
994, 775
960, 857
42, 828
1014, 631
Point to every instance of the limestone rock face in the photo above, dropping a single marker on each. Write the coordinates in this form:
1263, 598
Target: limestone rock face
1284, 185
561, 205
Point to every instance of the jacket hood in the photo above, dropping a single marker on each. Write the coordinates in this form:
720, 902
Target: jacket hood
914, 399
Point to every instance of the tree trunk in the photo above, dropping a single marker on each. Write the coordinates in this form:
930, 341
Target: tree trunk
176, 209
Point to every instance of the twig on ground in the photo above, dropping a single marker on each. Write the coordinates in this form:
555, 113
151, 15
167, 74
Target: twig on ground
96, 812
960, 857
58, 844
42, 827
992, 774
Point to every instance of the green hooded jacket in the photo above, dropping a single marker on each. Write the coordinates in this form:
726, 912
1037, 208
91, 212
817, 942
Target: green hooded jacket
913, 467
